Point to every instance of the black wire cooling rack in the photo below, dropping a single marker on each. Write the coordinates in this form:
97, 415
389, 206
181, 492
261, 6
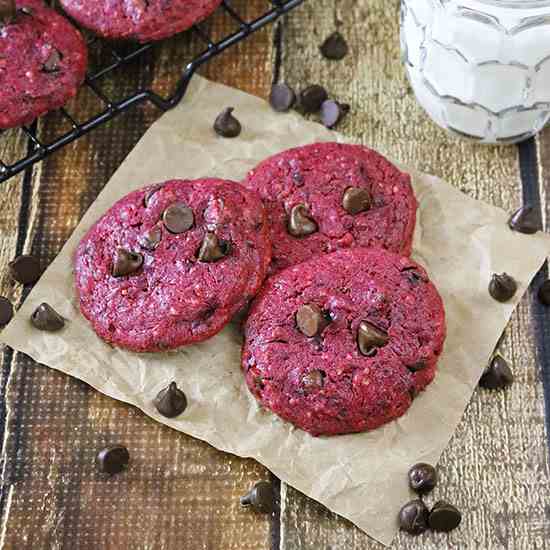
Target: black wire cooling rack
38, 149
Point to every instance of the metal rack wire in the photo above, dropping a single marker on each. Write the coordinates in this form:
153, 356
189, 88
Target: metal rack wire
38, 149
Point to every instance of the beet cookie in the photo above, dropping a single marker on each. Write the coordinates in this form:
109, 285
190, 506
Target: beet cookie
170, 264
328, 196
43, 61
344, 342
142, 20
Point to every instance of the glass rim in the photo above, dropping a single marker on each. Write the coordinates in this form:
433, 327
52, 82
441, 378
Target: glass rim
517, 4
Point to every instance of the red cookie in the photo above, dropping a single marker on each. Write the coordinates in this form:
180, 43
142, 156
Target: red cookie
329, 196
344, 342
170, 265
43, 61
142, 20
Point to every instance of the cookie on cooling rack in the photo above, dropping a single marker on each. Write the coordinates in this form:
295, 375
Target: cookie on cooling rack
344, 342
171, 264
329, 196
141, 20
43, 61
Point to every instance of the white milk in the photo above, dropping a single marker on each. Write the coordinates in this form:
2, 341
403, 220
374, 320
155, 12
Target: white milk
480, 68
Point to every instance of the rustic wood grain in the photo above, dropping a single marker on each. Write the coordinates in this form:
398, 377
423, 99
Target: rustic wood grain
495, 468
178, 492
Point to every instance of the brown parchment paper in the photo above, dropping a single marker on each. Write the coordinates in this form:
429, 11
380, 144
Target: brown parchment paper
459, 240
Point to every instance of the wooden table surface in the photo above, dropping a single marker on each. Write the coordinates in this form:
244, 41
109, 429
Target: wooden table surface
181, 493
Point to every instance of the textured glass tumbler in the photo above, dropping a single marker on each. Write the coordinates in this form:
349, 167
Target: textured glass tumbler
480, 68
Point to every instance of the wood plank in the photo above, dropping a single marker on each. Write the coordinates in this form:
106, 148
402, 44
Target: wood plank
178, 492
495, 468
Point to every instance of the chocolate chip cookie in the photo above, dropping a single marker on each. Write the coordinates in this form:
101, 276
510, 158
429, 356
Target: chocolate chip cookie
330, 196
43, 61
344, 342
170, 264
141, 20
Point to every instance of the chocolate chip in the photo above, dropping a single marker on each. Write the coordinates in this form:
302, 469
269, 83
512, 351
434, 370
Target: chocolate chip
6, 311
310, 320
178, 218
170, 401
498, 375
415, 367
313, 381
226, 125
312, 97
413, 517
261, 498
422, 478
212, 249
333, 112
444, 517
25, 10
544, 293
356, 200
7, 12
502, 287
298, 179
525, 220
282, 97
51, 65
25, 269
149, 195
151, 239
126, 262
113, 459
46, 318
334, 47
300, 223
370, 338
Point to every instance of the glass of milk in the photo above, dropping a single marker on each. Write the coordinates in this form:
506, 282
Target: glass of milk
480, 68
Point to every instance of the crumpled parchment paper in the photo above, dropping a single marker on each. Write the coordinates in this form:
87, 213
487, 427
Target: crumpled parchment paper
362, 477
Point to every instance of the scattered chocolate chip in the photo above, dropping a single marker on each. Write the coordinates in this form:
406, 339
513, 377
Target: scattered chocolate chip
356, 200
261, 498
226, 125
126, 262
502, 287
212, 249
25, 269
333, 112
413, 517
7, 12
498, 375
282, 97
170, 401
51, 65
444, 517
151, 239
370, 338
6, 311
312, 97
334, 47
313, 381
422, 478
525, 220
300, 223
46, 318
149, 195
113, 459
544, 293
178, 218
415, 367
310, 320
